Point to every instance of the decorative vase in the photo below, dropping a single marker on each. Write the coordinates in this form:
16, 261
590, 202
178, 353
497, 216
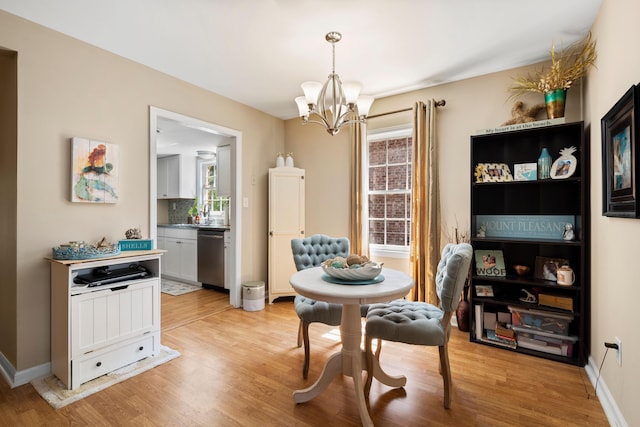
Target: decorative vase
289, 160
462, 312
279, 161
554, 101
544, 164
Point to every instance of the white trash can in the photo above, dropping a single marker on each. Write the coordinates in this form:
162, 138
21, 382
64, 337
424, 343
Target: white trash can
253, 295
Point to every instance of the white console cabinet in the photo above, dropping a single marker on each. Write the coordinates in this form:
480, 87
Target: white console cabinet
96, 330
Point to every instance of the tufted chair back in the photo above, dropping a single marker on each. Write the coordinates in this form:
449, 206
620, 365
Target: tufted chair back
314, 250
451, 274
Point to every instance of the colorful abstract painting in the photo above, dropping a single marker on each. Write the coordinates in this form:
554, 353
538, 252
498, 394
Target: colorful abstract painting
94, 171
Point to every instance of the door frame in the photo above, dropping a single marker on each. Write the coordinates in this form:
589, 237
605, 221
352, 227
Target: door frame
235, 214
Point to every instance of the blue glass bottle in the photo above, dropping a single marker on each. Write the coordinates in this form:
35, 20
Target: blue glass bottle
544, 164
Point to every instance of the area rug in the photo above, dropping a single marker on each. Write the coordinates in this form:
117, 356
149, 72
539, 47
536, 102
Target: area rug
177, 288
55, 393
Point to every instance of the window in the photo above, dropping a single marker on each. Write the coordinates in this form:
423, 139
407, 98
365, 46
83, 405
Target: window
389, 191
207, 182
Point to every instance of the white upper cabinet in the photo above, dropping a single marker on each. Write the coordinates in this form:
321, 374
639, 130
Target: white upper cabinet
176, 177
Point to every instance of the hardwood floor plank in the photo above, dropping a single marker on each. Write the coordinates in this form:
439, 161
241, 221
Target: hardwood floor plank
240, 368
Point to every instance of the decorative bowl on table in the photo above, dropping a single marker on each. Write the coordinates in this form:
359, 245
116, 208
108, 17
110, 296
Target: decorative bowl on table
367, 271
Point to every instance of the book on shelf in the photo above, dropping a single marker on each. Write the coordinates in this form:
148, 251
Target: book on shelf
556, 301
491, 337
479, 319
490, 263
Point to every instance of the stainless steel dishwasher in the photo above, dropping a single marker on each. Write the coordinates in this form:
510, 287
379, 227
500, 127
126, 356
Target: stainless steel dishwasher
211, 258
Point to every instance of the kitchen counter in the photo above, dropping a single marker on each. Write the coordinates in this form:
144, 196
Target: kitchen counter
218, 227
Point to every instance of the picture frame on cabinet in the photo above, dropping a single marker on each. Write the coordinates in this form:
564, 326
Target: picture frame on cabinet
620, 157
525, 172
547, 268
496, 172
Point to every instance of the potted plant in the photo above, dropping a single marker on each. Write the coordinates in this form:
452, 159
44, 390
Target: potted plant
568, 66
193, 211
463, 314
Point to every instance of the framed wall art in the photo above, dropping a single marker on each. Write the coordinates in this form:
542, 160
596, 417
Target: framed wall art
94, 171
620, 157
496, 172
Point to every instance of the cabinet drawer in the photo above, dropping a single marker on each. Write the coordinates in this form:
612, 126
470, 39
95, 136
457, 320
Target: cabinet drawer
181, 233
107, 361
109, 316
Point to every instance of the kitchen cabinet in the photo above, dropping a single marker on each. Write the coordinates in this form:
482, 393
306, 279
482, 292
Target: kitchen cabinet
286, 222
176, 177
519, 220
223, 169
181, 258
97, 330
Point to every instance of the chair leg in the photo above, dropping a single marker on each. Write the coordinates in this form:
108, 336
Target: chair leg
300, 334
445, 371
307, 356
370, 356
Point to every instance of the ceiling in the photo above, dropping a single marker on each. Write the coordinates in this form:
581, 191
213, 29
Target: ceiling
257, 52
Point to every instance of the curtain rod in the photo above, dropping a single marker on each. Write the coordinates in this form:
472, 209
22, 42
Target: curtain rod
440, 103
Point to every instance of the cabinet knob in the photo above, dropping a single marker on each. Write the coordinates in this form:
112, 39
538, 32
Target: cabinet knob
99, 364
141, 348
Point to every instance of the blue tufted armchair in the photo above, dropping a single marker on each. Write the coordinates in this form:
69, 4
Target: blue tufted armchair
421, 323
312, 252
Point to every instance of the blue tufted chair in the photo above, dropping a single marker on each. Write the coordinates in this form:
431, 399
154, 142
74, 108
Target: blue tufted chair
420, 323
311, 252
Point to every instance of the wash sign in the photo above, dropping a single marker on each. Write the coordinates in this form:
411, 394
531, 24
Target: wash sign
525, 226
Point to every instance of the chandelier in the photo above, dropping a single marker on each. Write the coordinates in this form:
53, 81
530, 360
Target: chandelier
333, 103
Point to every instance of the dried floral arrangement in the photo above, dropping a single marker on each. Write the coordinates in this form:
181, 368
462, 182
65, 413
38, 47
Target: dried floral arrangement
567, 67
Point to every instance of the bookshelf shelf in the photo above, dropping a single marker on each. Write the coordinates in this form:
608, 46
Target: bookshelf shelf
538, 199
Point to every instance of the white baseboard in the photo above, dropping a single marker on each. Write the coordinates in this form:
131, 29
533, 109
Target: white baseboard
17, 378
607, 401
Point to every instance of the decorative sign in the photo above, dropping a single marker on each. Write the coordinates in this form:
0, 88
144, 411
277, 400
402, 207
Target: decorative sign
490, 263
525, 226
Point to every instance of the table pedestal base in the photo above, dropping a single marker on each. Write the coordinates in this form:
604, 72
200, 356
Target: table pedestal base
350, 361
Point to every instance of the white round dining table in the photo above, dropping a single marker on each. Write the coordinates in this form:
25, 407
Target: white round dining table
351, 359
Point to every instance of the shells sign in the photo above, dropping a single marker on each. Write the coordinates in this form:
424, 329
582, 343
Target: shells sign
94, 175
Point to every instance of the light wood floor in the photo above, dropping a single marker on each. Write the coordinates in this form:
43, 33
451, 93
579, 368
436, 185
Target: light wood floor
239, 368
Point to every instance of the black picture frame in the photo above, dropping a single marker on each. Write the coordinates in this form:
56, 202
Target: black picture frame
620, 157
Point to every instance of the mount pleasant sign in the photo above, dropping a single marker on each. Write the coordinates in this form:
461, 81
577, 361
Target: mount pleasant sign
525, 226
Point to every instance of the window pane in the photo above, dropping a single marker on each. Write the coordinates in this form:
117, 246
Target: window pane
376, 205
396, 206
397, 177
398, 150
377, 153
378, 178
376, 232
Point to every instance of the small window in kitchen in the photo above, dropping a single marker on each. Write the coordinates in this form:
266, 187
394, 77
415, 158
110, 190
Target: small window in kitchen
210, 201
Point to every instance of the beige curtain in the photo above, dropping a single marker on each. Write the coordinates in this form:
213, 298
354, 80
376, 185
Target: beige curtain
359, 241
425, 204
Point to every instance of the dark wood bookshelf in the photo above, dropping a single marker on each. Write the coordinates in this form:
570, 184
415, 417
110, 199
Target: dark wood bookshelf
547, 197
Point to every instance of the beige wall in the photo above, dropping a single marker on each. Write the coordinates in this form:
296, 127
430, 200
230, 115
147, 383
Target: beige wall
614, 252
8, 187
67, 88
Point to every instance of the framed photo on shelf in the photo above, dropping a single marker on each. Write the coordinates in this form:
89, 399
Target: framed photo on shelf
490, 263
525, 172
484, 290
496, 172
547, 268
620, 157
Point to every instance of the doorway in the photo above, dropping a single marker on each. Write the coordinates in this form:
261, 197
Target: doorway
234, 138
